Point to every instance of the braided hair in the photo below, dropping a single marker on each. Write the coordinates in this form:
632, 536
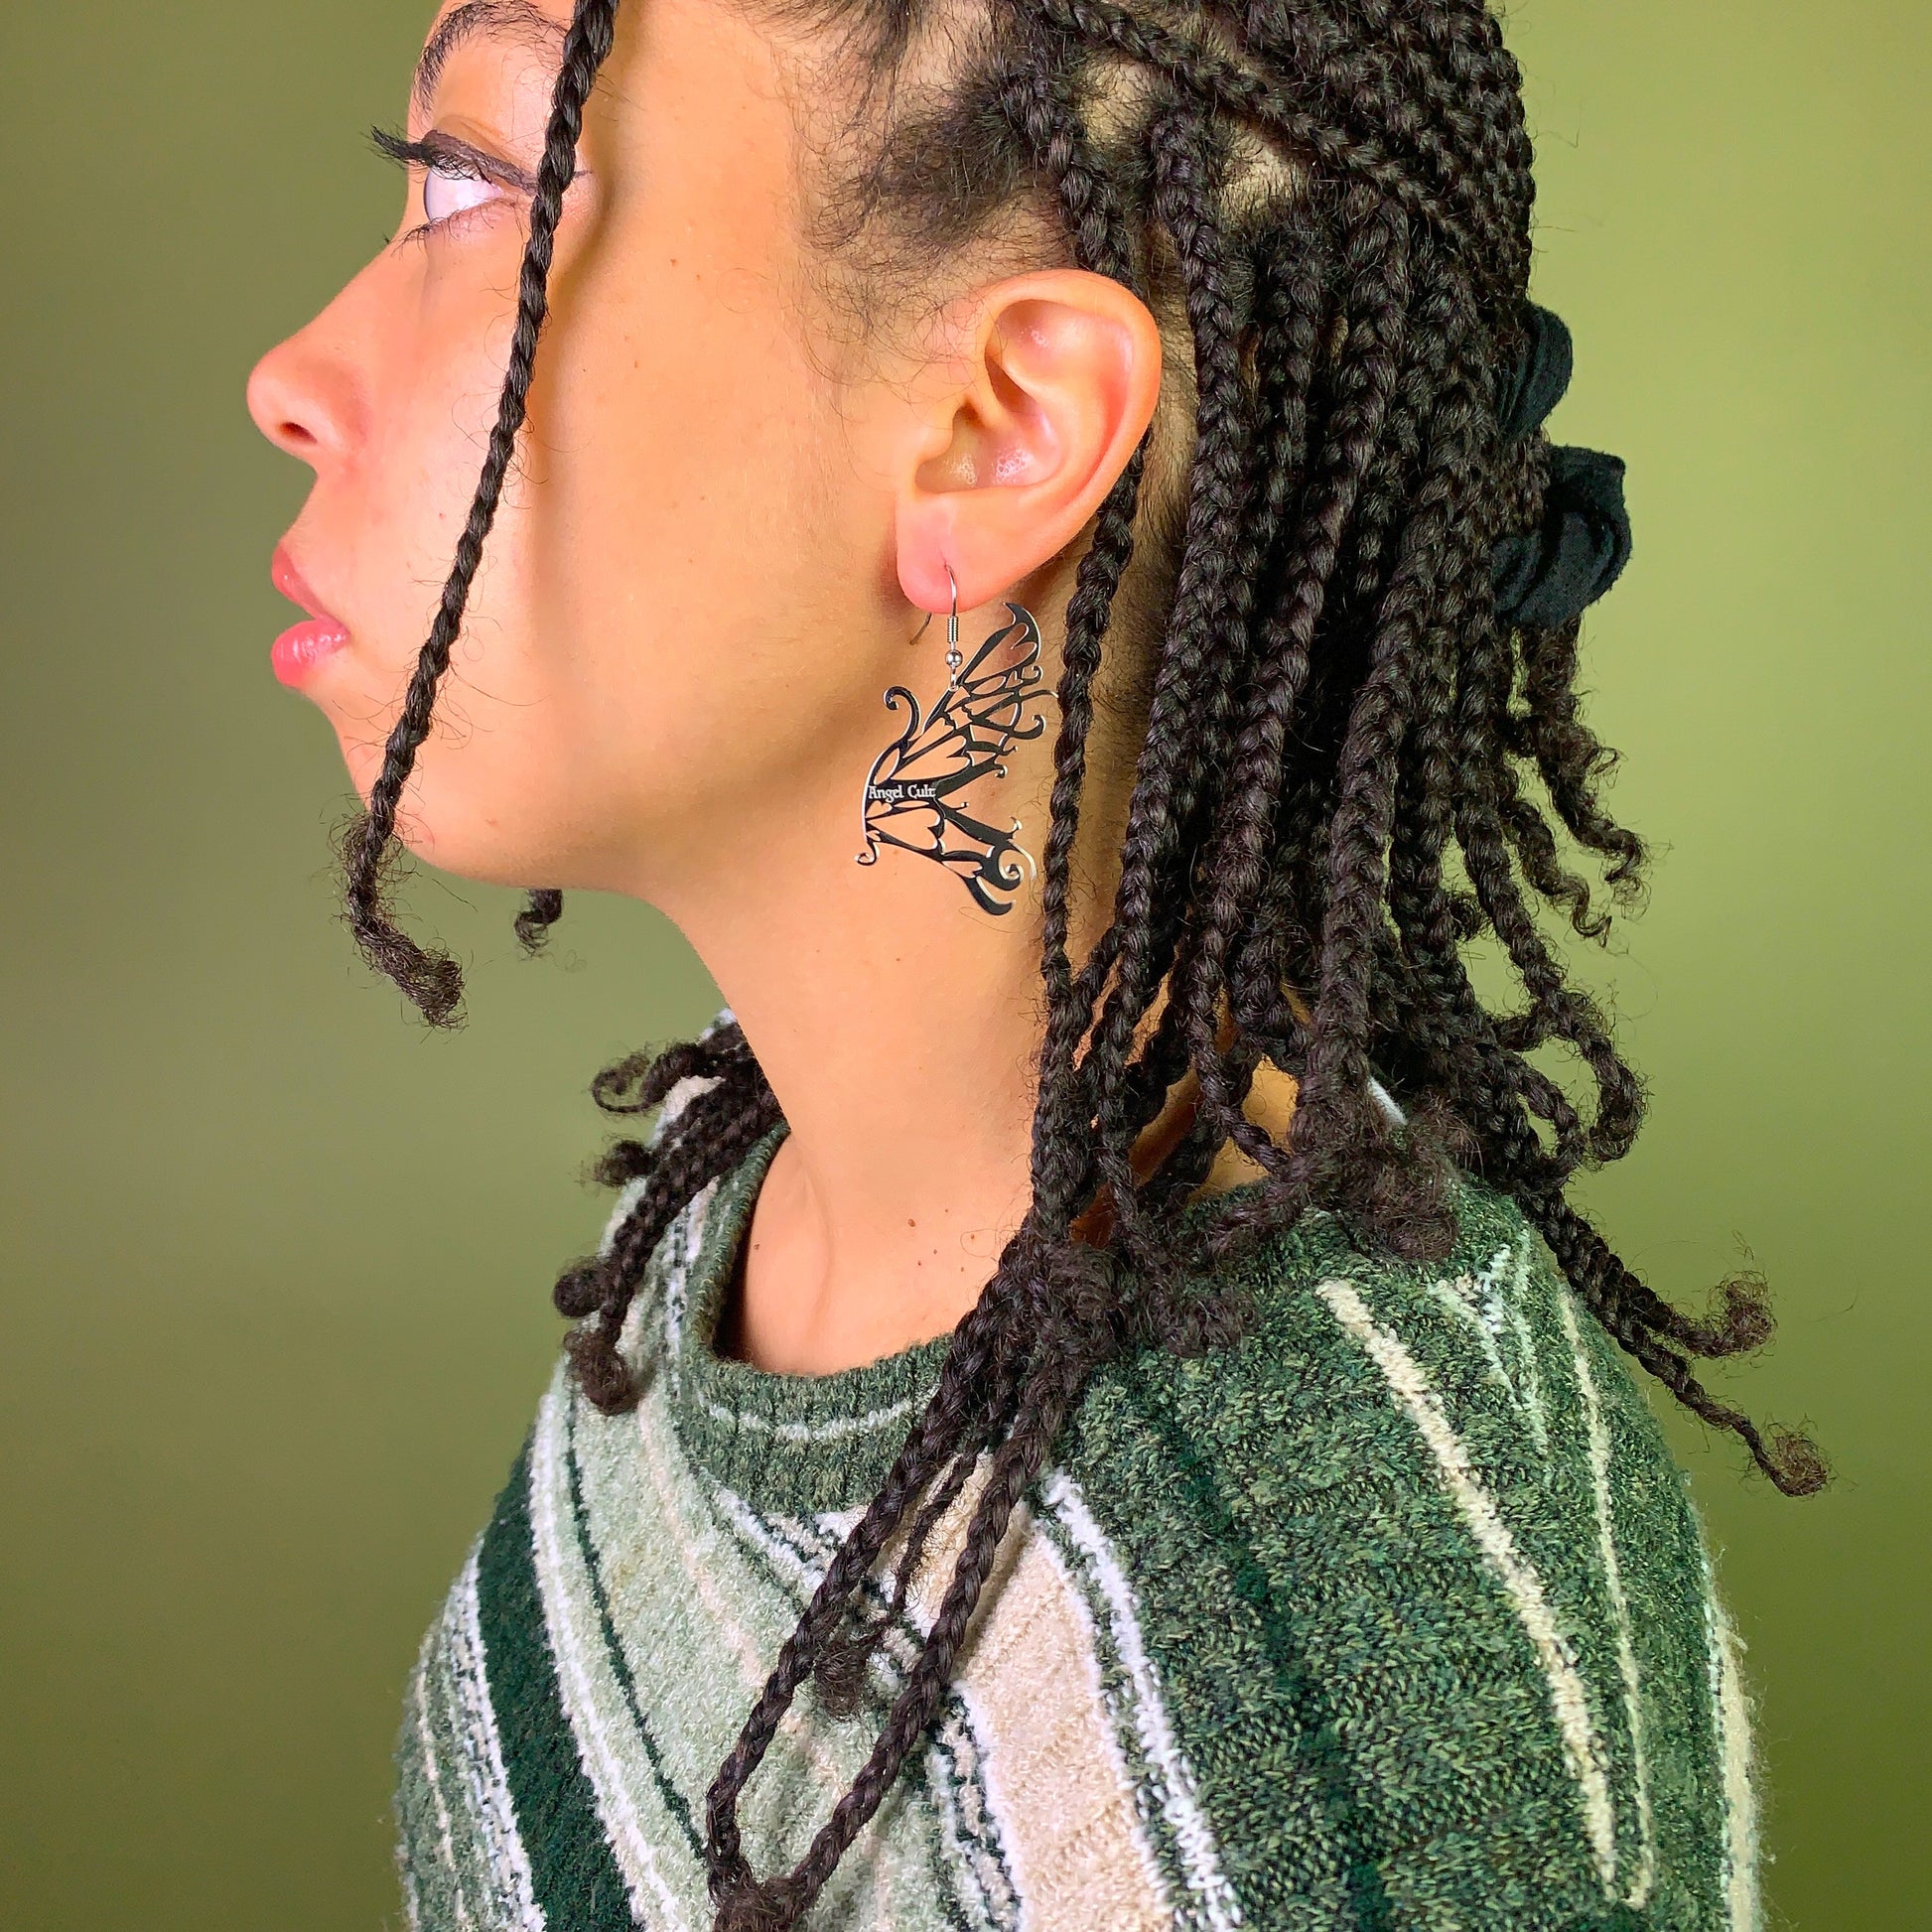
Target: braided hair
1353, 767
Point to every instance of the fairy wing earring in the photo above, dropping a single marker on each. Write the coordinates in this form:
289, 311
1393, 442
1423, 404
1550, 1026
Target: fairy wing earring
913, 796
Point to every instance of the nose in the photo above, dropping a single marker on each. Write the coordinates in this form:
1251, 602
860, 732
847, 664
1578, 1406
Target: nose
305, 398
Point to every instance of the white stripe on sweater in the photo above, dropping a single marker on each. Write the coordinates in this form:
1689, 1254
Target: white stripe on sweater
446, 1841
1639, 1886
834, 1428
616, 1809
1519, 1323
1730, 1719
1173, 1775
1057, 1783
682, 1241
1480, 1304
1570, 1703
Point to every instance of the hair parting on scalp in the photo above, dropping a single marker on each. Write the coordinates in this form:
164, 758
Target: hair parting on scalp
1353, 769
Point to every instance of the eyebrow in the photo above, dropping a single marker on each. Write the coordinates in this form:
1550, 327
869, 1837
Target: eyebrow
516, 19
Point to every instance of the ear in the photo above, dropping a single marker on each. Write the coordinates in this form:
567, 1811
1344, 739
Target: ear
1057, 375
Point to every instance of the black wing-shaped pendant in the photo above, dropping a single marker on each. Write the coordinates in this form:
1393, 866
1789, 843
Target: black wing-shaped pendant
913, 791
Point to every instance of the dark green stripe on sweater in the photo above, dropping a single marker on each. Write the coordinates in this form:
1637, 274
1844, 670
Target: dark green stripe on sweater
1316, 1737
576, 1878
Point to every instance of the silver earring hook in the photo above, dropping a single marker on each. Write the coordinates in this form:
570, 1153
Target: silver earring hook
953, 656
953, 619
952, 616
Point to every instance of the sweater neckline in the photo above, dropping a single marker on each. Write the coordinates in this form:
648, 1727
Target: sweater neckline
795, 1445
790, 1445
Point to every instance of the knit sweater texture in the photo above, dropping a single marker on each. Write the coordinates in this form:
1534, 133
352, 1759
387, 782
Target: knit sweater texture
1395, 1614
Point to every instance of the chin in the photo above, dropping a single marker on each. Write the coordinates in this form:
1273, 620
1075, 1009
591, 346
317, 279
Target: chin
471, 853
491, 845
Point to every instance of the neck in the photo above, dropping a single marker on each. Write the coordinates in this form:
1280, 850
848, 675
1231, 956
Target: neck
903, 1060
897, 1025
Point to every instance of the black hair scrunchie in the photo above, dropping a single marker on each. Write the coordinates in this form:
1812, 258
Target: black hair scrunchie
1546, 577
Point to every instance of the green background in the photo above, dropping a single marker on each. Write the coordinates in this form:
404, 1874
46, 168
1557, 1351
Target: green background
275, 1264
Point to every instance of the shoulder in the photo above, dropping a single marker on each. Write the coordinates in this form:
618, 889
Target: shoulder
1426, 1593
1481, 1364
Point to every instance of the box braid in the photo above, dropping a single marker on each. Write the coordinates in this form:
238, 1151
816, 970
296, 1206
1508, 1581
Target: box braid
1326, 203
430, 978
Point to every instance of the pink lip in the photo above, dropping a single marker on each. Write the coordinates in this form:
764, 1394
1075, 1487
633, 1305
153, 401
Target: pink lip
302, 646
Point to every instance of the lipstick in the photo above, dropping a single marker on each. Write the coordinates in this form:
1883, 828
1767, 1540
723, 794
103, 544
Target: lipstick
301, 645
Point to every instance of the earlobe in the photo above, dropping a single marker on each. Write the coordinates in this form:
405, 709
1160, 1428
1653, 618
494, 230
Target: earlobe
1061, 374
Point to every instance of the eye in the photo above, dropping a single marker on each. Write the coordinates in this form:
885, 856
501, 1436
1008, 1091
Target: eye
450, 190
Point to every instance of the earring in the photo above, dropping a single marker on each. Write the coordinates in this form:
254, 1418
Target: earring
913, 791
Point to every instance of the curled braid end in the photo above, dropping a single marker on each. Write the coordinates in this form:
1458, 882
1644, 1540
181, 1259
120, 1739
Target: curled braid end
622, 1163
840, 1671
641, 1080
747, 1904
581, 1287
1740, 1320
542, 910
1795, 1463
599, 1368
429, 979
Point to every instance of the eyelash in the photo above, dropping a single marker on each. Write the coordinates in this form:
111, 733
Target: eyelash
432, 154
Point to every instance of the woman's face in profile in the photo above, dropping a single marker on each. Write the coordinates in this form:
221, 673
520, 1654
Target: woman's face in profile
653, 624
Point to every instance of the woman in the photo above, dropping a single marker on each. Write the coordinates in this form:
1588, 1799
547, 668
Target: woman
1093, 1408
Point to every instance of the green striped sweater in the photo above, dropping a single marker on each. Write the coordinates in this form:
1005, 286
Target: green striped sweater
1397, 1615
